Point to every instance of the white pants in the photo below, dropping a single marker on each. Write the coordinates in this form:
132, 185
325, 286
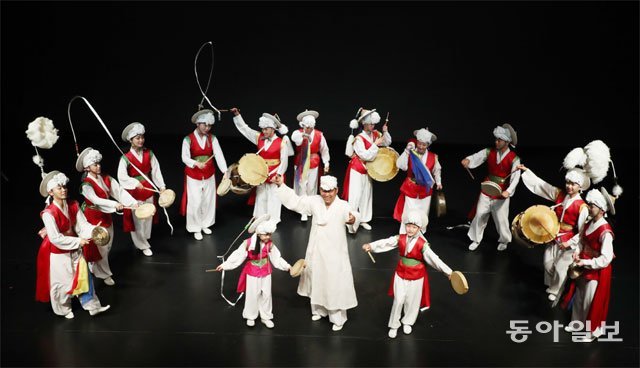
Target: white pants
361, 195
499, 210
585, 291
141, 236
258, 299
267, 202
309, 188
201, 203
411, 204
101, 269
556, 264
61, 273
407, 295
338, 317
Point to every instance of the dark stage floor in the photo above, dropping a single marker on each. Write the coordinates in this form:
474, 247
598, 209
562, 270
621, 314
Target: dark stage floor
166, 311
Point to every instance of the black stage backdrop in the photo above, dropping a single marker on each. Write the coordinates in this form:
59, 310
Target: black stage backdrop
562, 73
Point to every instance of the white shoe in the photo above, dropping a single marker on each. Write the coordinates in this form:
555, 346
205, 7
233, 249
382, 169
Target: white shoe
501, 247
588, 338
393, 333
268, 323
147, 252
304, 218
548, 291
552, 297
93, 312
197, 235
406, 329
315, 317
473, 246
69, 315
207, 231
109, 281
365, 226
251, 322
336, 327
568, 328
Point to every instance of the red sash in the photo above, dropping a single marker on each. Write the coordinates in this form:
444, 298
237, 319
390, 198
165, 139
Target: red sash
413, 272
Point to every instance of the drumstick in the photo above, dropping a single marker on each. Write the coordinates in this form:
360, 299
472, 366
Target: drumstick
210, 270
470, 174
505, 178
151, 189
371, 256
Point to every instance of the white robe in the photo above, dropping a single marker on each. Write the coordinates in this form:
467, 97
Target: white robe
408, 293
360, 185
586, 289
101, 268
327, 279
419, 204
201, 194
142, 234
62, 267
266, 200
311, 185
498, 208
258, 298
555, 260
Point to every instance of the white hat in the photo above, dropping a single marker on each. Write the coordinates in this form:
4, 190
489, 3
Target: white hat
579, 177
131, 131
87, 157
307, 118
328, 182
204, 116
258, 221
266, 227
418, 218
52, 180
601, 199
425, 136
272, 121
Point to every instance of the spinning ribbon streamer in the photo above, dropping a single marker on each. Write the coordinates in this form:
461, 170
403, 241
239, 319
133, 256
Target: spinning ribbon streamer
206, 89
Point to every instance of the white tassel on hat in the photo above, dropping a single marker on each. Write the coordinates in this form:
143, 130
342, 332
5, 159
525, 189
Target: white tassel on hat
577, 157
282, 129
348, 150
598, 157
38, 160
353, 124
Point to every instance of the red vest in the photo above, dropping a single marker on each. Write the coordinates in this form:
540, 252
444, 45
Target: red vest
591, 246
202, 153
500, 170
94, 215
414, 272
356, 163
145, 167
410, 188
271, 155
65, 226
569, 224
315, 148
252, 269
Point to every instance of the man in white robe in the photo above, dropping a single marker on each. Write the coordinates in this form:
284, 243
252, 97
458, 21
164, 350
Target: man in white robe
327, 278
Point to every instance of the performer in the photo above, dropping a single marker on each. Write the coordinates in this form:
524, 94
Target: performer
130, 179
255, 279
97, 207
199, 196
62, 271
410, 285
275, 151
327, 279
358, 189
572, 213
310, 146
591, 290
414, 196
501, 162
